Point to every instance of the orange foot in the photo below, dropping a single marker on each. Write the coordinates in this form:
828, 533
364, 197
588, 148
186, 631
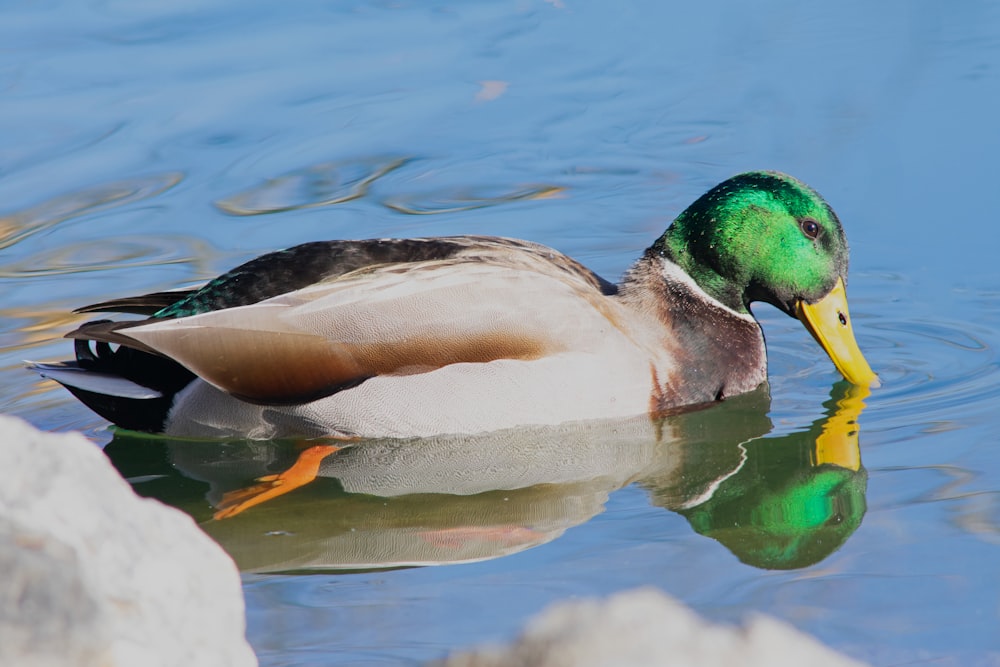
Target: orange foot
303, 471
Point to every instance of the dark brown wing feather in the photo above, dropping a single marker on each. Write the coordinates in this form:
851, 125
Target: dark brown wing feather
144, 304
294, 268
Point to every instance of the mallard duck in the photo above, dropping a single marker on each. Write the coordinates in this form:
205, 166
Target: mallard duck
467, 334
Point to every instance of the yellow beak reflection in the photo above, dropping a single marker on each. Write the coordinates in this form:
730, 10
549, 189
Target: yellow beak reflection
830, 324
838, 442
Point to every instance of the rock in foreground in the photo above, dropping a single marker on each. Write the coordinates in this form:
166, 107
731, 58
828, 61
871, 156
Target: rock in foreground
645, 628
94, 575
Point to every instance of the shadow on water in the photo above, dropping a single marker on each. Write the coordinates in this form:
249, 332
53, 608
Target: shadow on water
776, 502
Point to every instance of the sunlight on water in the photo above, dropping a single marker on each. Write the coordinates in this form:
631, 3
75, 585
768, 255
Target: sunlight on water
105, 255
19, 225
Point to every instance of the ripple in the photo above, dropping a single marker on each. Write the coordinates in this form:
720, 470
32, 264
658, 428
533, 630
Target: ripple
19, 225
936, 368
311, 187
466, 200
36, 145
105, 255
978, 513
938, 373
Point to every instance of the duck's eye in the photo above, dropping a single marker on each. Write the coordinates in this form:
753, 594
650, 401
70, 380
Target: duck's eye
810, 228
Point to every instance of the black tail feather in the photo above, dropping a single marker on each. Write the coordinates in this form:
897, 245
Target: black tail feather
135, 414
164, 376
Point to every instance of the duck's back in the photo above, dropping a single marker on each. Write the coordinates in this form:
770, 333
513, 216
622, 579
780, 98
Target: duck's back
378, 337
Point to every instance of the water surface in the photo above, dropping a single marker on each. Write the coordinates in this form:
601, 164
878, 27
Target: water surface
152, 145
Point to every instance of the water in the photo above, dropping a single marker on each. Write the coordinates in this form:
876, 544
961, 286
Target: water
149, 145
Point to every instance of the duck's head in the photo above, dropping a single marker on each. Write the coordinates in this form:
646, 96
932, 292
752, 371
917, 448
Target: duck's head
765, 236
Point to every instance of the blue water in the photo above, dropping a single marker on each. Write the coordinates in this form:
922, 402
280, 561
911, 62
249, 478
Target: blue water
148, 145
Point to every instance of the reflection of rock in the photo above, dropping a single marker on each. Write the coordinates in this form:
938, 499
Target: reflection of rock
94, 576
646, 628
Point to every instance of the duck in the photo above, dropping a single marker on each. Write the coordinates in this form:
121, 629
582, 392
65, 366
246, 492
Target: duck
420, 337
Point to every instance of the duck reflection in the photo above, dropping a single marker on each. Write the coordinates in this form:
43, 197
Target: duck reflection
774, 501
793, 499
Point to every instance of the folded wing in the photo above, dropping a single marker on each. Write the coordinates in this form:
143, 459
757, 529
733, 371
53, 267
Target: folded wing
387, 320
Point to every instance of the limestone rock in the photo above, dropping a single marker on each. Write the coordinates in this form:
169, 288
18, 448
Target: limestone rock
645, 628
94, 575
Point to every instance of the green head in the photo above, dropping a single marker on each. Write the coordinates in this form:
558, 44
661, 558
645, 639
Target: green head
765, 236
759, 236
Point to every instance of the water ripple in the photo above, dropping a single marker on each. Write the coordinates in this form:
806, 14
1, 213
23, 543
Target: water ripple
107, 254
465, 200
935, 370
19, 225
34, 146
311, 187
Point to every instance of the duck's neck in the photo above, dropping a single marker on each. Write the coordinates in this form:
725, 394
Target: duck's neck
656, 279
678, 247
717, 350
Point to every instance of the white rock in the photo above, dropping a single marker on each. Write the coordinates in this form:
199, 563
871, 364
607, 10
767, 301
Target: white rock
94, 575
645, 628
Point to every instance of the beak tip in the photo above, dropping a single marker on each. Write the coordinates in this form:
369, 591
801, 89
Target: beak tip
869, 379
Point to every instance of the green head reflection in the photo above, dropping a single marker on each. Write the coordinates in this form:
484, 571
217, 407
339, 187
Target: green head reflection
796, 498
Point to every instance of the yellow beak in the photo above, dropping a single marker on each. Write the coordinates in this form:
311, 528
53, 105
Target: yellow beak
830, 324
